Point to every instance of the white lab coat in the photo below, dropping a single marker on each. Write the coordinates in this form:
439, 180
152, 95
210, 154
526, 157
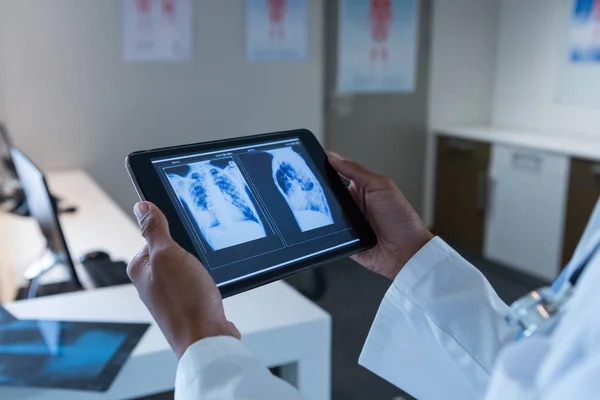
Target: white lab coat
440, 333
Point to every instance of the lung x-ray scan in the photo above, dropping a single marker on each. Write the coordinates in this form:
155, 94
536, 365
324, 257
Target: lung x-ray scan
301, 189
218, 199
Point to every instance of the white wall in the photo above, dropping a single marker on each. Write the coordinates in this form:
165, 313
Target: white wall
463, 61
531, 45
71, 102
463, 58
2, 58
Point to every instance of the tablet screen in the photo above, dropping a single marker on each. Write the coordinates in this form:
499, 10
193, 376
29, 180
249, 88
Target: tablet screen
252, 209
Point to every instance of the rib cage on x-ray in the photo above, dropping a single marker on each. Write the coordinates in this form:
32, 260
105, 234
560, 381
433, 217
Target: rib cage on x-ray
301, 190
218, 199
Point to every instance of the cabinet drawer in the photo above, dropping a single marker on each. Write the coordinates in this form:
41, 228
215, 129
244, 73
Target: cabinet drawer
530, 161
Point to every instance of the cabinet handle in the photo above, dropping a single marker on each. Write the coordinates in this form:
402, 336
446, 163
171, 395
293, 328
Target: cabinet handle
491, 196
530, 162
482, 190
461, 146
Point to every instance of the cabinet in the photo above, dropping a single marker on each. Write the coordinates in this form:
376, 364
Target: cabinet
462, 167
584, 191
524, 219
518, 205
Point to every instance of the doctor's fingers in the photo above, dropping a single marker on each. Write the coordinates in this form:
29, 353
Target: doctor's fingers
358, 194
154, 226
359, 174
138, 268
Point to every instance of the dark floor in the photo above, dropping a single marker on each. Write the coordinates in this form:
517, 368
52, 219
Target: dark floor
352, 298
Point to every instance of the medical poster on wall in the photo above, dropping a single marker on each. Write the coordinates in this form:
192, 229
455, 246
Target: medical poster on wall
157, 30
276, 30
585, 32
579, 72
377, 46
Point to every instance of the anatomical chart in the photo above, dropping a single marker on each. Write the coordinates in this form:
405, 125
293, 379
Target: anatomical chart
578, 82
301, 189
585, 32
276, 30
157, 30
218, 198
377, 46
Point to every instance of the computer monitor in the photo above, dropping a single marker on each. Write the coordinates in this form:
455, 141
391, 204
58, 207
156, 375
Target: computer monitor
8, 174
43, 209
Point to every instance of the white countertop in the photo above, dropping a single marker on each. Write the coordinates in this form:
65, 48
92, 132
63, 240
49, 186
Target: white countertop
587, 147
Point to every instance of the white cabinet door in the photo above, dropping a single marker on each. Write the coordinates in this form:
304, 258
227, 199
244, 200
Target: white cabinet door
526, 211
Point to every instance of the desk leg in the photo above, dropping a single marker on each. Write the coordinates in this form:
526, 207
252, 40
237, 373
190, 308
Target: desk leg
300, 355
311, 374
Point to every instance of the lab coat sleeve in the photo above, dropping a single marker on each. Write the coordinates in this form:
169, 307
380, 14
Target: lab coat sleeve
223, 368
439, 328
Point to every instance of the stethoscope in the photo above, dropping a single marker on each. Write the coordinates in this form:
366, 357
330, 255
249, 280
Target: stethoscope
538, 312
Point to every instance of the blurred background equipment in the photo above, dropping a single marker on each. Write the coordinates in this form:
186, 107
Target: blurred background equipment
12, 198
44, 210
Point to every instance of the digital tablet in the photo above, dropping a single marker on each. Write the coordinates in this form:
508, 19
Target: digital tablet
253, 209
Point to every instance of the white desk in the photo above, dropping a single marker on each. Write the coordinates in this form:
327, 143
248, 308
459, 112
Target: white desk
282, 327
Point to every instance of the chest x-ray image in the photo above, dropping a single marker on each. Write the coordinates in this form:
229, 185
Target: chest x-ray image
218, 198
301, 189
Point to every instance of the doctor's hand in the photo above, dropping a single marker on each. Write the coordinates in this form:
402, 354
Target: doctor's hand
175, 287
400, 231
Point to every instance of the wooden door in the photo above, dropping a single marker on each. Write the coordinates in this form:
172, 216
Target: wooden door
461, 192
584, 191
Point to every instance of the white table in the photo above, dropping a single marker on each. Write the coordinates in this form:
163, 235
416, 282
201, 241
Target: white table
277, 323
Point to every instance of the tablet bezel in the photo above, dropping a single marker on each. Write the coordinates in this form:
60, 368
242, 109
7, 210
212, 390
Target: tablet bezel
150, 188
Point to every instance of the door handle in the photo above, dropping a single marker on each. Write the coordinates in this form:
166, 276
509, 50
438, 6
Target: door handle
342, 105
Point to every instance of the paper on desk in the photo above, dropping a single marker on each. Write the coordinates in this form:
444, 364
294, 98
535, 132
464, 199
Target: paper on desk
157, 30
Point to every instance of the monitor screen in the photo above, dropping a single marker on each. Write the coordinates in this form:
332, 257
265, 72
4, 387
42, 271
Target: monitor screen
7, 168
43, 208
256, 208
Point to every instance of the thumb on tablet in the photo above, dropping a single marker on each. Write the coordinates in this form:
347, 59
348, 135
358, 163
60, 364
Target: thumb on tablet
154, 225
354, 171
